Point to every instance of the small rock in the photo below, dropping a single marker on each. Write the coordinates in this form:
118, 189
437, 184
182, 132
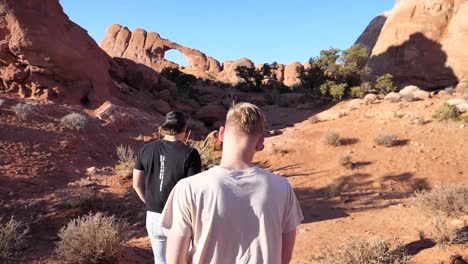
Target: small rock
91, 170
370, 98
409, 89
462, 126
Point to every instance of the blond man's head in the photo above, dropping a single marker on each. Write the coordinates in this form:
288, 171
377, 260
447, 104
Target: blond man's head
246, 118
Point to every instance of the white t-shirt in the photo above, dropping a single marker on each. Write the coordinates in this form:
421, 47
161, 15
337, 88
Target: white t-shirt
233, 216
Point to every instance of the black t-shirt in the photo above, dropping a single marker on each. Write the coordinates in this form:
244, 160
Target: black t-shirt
165, 163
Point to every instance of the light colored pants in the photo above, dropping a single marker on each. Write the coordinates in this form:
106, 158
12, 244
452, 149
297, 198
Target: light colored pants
157, 235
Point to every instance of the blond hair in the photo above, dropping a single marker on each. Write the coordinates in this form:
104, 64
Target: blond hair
246, 118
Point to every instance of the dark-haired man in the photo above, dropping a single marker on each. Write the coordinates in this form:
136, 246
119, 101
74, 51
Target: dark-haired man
158, 167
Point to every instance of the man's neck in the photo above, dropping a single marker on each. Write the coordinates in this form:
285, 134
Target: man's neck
172, 138
236, 161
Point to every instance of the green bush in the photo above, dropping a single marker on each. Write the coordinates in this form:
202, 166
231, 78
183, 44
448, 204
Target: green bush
12, 238
23, 111
336, 91
74, 121
446, 112
357, 92
360, 251
385, 83
92, 239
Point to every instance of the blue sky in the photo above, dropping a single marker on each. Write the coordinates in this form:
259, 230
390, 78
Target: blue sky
263, 31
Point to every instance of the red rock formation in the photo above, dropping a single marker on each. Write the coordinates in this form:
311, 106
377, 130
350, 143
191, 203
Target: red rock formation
45, 55
149, 48
291, 74
372, 32
423, 43
229, 74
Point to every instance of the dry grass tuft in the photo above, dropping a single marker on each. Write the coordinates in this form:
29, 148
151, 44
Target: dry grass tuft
445, 232
124, 167
386, 140
332, 138
23, 111
12, 238
446, 200
92, 239
74, 121
346, 161
359, 251
85, 200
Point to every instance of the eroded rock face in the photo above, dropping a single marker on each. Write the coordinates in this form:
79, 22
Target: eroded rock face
148, 48
229, 74
291, 74
45, 55
372, 32
423, 42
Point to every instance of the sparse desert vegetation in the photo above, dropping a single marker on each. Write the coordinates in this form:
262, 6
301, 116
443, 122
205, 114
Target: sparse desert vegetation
346, 161
332, 138
358, 250
75, 121
23, 110
446, 112
447, 200
84, 200
92, 239
389, 140
12, 239
124, 167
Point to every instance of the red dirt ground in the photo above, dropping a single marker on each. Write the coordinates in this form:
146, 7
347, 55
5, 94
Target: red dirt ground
43, 164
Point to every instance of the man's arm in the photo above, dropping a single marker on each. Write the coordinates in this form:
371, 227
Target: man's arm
287, 247
194, 163
139, 183
177, 248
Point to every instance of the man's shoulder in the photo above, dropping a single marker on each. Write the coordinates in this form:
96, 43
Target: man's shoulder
270, 176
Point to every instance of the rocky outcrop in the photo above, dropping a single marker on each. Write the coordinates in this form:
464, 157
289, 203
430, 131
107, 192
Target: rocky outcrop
291, 74
372, 32
423, 42
149, 48
229, 74
45, 55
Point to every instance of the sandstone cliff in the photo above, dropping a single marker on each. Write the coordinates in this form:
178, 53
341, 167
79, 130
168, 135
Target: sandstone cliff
423, 42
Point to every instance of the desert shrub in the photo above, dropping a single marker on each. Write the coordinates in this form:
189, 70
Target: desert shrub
313, 119
464, 118
124, 167
332, 138
449, 199
75, 121
12, 238
85, 200
450, 90
408, 97
386, 140
357, 92
444, 232
420, 121
360, 251
446, 112
23, 111
346, 161
334, 190
335, 90
92, 239
197, 127
207, 153
385, 83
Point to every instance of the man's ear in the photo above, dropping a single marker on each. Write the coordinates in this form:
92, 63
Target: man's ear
222, 129
260, 144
